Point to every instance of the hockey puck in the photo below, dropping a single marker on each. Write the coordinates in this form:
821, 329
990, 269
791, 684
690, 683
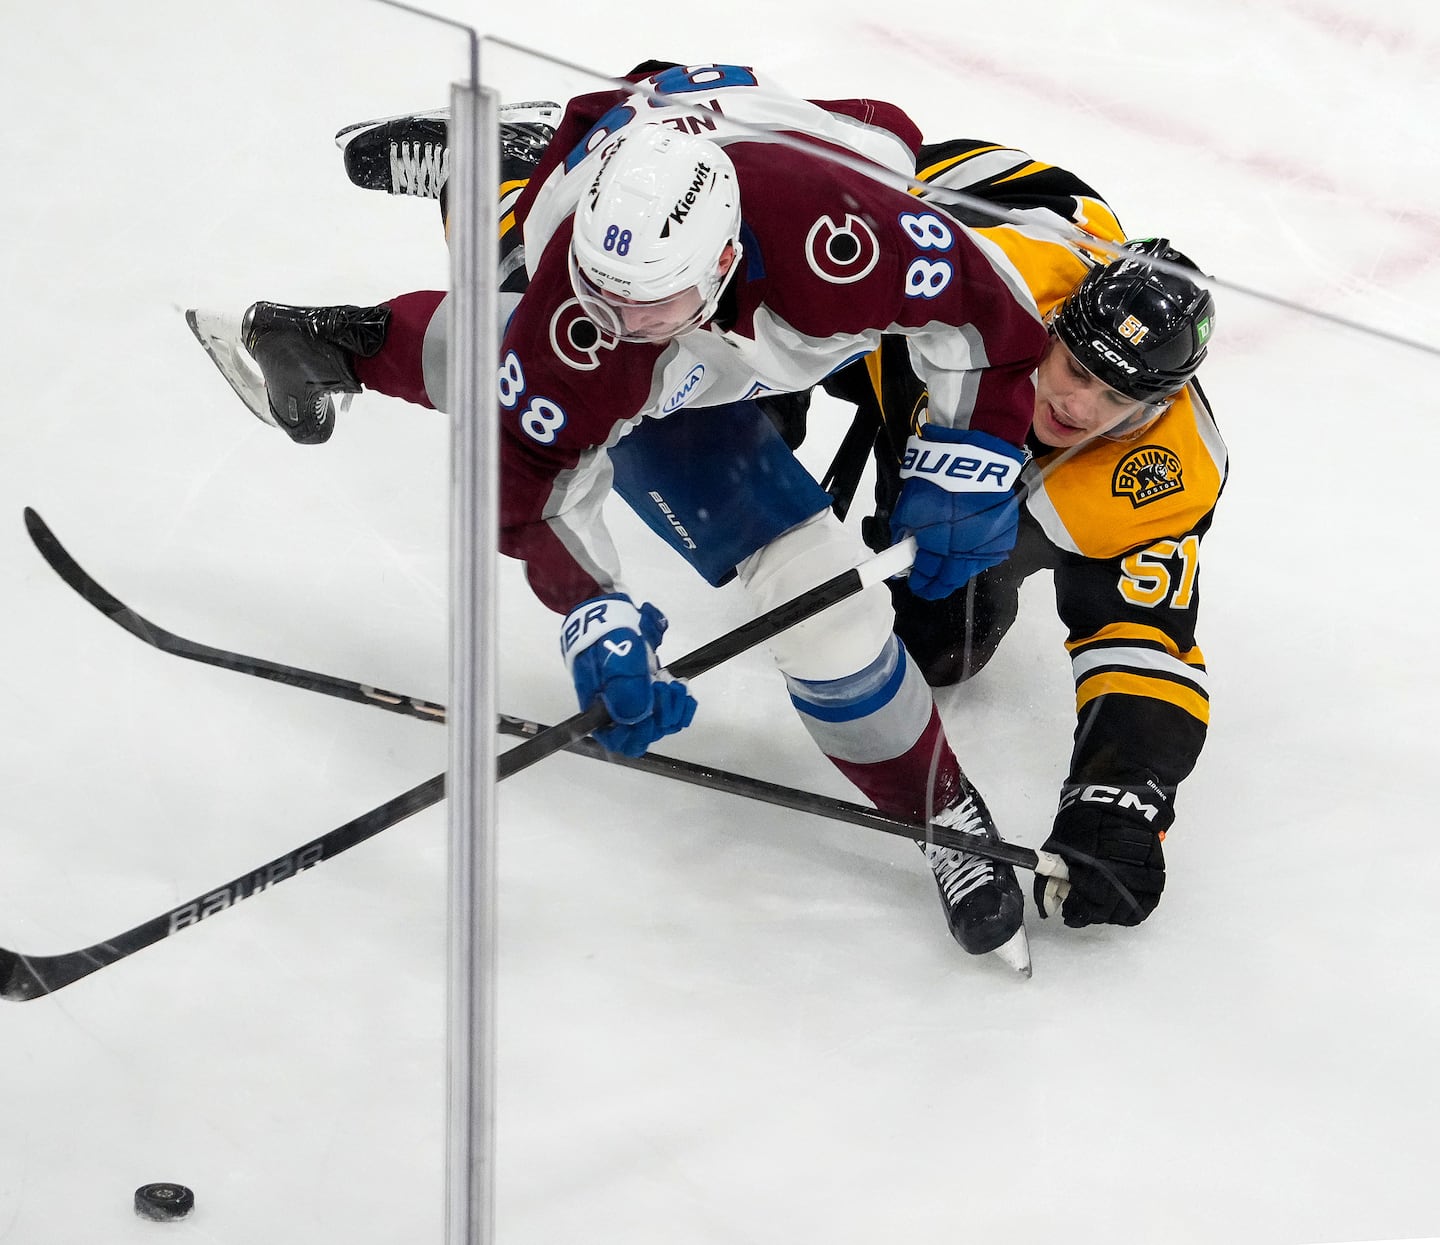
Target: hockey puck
163, 1201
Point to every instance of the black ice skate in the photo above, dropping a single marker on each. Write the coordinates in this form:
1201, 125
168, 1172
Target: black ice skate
984, 906
411, 156
306, 355
286, 363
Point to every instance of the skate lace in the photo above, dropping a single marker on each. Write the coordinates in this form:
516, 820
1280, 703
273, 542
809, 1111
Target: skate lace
419, 168
960, 872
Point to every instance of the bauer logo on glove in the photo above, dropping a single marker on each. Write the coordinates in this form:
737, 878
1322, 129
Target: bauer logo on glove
959, 502
609, 646
973, 469
591, 621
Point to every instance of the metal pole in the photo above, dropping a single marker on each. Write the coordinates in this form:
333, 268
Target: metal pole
474, 347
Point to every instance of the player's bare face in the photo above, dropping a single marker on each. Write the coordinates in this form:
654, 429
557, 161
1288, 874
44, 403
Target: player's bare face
650, 320
657, 321
1072, 405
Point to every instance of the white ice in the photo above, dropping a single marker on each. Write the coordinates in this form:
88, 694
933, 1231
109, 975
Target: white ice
718, 1022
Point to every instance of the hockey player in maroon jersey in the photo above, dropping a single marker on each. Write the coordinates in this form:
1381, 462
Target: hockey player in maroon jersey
1122, 488
672, 269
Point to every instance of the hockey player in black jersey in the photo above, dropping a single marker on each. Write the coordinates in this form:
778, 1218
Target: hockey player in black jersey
1128, 466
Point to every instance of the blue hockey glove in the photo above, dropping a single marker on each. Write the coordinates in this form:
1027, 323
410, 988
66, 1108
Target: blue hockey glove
959, 502
609, 647
1109, 837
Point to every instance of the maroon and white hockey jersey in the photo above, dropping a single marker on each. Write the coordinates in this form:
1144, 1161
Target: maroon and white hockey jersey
835, 256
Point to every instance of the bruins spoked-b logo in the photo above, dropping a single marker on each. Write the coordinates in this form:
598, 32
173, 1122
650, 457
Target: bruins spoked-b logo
1147, 473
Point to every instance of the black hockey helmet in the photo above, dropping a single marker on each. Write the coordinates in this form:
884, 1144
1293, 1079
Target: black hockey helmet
1142, 331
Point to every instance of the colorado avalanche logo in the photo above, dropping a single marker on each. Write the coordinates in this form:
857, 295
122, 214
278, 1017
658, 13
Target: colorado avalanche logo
1147, 473
575, 337
841, 253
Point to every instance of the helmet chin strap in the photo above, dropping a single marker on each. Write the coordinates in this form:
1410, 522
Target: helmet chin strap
729, 264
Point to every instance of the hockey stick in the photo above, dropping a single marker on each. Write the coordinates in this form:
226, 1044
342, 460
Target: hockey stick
156, 636
826, 806
24, 977
413, 706
550, 740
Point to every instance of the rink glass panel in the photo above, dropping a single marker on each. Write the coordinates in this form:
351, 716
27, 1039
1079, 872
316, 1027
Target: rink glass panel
715, 1020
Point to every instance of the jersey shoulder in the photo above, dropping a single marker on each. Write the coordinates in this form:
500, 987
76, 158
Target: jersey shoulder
1048, 211
1114, 496
845, 252
820, 238
986, 172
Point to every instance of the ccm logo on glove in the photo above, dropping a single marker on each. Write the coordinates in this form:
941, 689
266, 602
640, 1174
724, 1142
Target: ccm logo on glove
1110, 837
1120, 797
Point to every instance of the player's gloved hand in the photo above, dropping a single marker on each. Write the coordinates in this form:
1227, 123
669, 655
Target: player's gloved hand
959, 502
609, 647
1108, 834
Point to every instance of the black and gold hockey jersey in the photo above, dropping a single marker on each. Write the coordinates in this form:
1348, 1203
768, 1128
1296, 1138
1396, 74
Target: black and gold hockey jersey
1118, 521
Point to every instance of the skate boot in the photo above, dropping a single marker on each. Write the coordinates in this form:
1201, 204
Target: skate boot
411, 155
984, 906
306, 355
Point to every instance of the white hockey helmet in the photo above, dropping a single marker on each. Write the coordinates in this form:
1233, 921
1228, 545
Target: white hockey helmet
651, 231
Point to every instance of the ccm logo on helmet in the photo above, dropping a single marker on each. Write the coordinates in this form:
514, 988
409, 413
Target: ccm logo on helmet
1096, 793
1117, 359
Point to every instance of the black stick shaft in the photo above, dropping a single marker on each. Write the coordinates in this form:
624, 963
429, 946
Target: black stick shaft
413, 706
553, 739
24, 977
766, 792
85, 585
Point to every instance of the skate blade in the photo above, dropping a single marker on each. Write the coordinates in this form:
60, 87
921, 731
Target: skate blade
1016, 952
220, 337
344, 137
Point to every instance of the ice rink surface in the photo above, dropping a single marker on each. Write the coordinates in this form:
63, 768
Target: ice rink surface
718, 1022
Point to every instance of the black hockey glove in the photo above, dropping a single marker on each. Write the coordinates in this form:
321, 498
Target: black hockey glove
1109, 838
